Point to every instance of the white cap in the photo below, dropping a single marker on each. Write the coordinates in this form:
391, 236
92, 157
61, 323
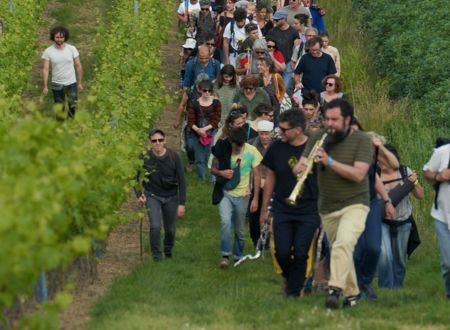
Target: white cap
190, 43
264, 126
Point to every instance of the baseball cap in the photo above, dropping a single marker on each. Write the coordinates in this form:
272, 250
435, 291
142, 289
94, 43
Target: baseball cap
280, 15
264, 126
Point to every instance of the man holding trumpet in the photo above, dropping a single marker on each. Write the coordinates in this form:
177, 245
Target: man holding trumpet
343, 164
294, 223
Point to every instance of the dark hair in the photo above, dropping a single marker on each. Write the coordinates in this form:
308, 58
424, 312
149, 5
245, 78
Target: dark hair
337, 82
345, 106
232, 116
154, 131
324, 34
260, 5
250, 81
59, 29
313, 41
354, 121
228, 70
237, 136
392, 149
272, 40
310, 97
239, 14
251, 27
206, 84
246, 45
294, 117
261, 109
302, 18
205, 36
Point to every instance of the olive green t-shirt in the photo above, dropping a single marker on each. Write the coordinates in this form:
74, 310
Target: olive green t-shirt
336, 192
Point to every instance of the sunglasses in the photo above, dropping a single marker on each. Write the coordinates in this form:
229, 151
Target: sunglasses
276, 20
249, 88
270, 115
211, 44
235, 113
284, 130
329, 84
206, 90
260, 53
205, 9
271, 46
157, 140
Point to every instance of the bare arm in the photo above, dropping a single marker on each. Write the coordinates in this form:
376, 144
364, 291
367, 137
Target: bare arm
226, 51
79, 70
379, 188
256, 188
269, 186
436, 176
45, 70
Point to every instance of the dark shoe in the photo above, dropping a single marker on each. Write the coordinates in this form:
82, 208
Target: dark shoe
168, 255
157, 259
332, 301
368, 292
350, 301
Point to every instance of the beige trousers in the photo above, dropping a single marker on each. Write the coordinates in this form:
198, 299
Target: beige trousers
343, 229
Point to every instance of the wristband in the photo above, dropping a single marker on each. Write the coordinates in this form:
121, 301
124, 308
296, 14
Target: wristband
330, 161
387, 201
416, 182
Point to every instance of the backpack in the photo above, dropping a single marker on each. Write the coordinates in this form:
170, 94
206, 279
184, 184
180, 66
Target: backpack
231, 49
440, 141
204, 24
193, 95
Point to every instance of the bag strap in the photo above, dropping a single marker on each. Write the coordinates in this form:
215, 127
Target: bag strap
436, 188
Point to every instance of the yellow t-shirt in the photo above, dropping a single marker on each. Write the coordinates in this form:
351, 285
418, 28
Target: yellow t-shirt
250, 158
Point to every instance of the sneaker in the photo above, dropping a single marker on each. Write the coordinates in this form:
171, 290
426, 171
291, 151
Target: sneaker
368, 292
224, 263
350, 301
332, 301
189, 168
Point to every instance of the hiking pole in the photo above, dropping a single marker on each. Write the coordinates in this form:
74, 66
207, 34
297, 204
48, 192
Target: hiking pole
259, 246
141, 245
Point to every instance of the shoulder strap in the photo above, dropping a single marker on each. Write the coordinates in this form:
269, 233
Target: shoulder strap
403, 171
194, 64
436, 189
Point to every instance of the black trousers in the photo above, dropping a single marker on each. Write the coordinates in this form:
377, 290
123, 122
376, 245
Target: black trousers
293, 234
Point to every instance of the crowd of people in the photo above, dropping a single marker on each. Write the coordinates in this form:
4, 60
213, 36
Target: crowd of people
265, 119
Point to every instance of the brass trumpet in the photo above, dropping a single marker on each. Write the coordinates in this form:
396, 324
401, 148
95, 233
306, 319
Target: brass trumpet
301, 178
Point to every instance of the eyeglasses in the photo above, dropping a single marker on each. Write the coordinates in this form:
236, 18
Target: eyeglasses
249, 88
310, 35
271, 46
210, 44
275, 20
329, 84
206, 90
270, 115
260, 53
157, 140
284, 130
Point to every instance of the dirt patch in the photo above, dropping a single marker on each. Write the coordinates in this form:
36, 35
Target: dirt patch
122, 251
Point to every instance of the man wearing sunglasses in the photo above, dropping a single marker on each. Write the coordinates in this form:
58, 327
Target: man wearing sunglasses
163, 193
293, 226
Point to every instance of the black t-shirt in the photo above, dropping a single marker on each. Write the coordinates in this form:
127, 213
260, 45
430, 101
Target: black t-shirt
285, 40
280, 157
314, 69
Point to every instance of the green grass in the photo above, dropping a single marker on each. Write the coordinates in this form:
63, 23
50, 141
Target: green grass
190, 291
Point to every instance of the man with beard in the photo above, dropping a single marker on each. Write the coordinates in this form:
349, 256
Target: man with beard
293, 226
64, 60
343, 195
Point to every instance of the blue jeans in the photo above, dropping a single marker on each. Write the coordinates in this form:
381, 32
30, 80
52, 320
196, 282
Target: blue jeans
392, 262
443, 236
201, 154
368, 248
287, 77
59, 96
232, 212
161, 210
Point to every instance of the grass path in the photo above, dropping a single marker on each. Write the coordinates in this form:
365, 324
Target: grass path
191, 292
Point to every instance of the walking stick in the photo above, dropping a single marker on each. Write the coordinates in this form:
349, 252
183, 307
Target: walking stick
141, 246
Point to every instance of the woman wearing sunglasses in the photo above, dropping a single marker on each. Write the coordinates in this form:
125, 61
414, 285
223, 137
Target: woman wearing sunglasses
203, 120
277, 56
163, 193
333, 89
250, 95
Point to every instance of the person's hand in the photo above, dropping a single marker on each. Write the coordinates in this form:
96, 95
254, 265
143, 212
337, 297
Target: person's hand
390, 211
322, 156
299, 85
413, 177
263, 217
176, 123
181, 210
444, 175
80, 87
300, 166
202, 131
254, 205
142, 199
227, 174
377, 142
45, 91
